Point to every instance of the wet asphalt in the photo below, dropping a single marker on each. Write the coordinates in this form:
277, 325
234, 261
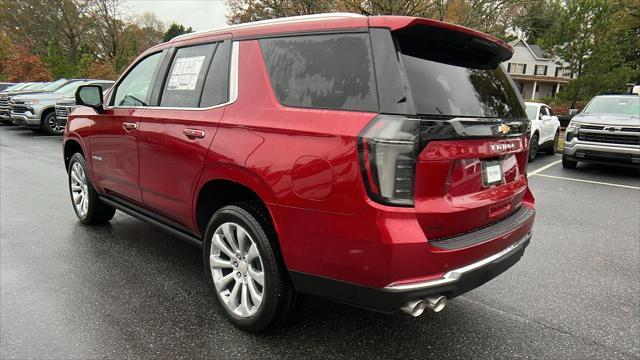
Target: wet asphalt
128, 290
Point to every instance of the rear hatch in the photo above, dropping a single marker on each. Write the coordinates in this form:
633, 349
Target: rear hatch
452, 136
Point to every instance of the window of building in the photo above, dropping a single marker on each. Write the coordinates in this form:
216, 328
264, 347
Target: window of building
515, 68
541, 70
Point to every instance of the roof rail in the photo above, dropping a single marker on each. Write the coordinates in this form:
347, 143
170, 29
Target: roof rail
284, 20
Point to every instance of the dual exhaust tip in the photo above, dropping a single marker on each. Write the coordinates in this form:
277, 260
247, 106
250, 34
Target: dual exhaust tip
415, 308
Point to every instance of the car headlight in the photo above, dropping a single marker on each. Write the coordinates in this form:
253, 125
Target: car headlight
31, 102
572, 130
573, 126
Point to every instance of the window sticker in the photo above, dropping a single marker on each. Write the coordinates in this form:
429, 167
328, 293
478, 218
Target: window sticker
185, 73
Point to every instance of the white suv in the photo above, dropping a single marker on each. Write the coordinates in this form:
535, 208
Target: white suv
545, 129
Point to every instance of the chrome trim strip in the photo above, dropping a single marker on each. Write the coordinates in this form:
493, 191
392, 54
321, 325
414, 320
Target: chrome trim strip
454, 275
233, 87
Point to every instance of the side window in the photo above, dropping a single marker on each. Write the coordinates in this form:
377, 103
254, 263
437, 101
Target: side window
135, 88
216, 86
332, 71
186, 77
549, 112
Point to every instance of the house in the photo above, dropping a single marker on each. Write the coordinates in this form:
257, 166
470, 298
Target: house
535, 73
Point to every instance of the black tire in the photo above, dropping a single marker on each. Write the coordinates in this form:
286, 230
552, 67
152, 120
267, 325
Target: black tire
552, 149
279, 296
533, 147
97, 211
50, 124
567, 163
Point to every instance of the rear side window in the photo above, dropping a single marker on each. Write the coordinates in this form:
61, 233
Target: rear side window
332, 71
184, 83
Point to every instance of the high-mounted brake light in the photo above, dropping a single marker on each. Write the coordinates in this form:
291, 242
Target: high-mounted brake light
388, 151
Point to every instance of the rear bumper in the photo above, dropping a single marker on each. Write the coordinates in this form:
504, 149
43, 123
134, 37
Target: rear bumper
389, 299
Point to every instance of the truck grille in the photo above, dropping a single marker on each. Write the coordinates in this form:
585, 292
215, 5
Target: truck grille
62, 111
18, 107
609, 138
4, 105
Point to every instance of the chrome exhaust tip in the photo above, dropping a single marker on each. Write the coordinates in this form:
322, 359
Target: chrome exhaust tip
416, 307
436, 303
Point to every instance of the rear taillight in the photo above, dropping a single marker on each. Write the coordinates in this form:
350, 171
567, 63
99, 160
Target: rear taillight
388, 150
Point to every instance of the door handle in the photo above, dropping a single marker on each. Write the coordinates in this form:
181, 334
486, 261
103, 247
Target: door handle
194, 133
127, 126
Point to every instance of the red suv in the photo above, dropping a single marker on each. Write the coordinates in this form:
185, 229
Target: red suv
375, 161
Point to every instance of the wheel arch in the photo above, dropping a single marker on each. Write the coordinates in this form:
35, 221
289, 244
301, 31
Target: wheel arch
71, 146
46, 111
226, 185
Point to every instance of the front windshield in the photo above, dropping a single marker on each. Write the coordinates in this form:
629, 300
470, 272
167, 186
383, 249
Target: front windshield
532, 111
70, 88
55, 85
614, 105
39, 86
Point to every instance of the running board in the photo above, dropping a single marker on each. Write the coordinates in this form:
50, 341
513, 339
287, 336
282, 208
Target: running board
157, 220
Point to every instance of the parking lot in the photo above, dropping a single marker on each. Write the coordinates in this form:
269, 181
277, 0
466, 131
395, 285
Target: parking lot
130, 290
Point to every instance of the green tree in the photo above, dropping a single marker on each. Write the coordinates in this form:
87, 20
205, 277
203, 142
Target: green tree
583, 37
175, 30
537, 17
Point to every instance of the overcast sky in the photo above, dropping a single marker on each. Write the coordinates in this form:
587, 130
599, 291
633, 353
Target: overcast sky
199, 14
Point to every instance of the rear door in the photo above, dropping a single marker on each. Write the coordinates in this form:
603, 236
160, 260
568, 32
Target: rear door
175, 135
114, 134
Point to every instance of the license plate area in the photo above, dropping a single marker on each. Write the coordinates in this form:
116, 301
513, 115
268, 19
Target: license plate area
492, 173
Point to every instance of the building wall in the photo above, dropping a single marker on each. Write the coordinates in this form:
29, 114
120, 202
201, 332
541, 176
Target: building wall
522, 55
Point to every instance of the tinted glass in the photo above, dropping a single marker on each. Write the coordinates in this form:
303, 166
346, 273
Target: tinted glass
614, 105
216, 86
135, 88
322, 71
443, 89
189, 67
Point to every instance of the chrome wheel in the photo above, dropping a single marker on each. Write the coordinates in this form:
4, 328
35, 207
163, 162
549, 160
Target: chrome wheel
237, 270
55, 125
79, 189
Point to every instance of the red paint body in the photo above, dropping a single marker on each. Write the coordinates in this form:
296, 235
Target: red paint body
304, 165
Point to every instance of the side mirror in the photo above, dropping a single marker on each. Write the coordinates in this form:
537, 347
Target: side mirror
91, 96
573, 111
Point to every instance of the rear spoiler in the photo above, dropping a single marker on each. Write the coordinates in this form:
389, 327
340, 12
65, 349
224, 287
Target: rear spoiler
444, 42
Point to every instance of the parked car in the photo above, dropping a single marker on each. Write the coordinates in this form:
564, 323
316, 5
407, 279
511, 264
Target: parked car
606, 131
65, 106
37, 111
545, 129
23, 89
299, 167
5, 85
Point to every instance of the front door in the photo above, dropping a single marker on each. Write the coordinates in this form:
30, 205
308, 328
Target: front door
114, 135
175, 135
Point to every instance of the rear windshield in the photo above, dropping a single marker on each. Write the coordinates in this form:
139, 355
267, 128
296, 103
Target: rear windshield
322, 71
614, 105
443, 89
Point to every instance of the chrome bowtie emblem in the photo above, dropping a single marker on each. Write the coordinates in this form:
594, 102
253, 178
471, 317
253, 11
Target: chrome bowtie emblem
504, 129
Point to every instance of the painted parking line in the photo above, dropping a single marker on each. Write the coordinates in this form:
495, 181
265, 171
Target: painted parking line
544, 168
589, 181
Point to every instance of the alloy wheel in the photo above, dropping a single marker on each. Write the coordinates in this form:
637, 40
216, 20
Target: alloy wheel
55, 126
79, 189
237, 269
